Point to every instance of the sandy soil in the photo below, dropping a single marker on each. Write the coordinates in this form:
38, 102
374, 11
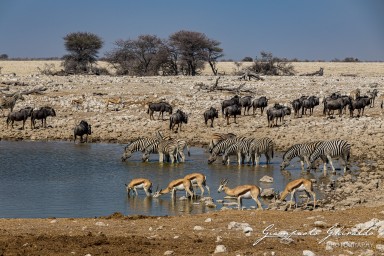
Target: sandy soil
196, 235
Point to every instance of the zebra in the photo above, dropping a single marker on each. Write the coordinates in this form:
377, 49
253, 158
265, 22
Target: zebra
168, 148
139, 144
240, 148
332, 149
217, 137
220, 148
10, 101
303, 151
261, 146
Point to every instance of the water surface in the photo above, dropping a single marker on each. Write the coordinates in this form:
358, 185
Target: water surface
63, 179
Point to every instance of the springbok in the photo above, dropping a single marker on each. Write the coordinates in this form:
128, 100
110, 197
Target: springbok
173, 186
242, 191
114, 101
299, 185
139, 183
198, 179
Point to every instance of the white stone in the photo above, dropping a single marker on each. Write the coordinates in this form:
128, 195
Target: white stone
168, 252
308, 253
219, 239
198, 228
101, 224
220, 248
208, 220
267, 179
380, 247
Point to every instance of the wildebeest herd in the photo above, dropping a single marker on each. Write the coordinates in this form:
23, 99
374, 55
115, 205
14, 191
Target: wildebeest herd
22, 115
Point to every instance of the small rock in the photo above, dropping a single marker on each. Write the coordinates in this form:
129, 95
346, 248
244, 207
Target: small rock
219, 239
208, 220
101, 224
198, 228
320, 224
168, 252
308, 253
267, 179
220, 248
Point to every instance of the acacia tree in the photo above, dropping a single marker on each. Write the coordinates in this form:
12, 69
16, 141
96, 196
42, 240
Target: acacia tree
194, 48
137, 57
83, 48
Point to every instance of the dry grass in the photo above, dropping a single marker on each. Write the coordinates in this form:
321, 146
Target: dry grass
23, 68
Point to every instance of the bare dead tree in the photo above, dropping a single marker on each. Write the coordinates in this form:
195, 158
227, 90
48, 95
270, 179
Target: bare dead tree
317, 73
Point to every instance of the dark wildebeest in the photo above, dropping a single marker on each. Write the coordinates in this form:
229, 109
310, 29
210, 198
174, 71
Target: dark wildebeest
233, 110
246, 103
210, 114
360, 103
10, 101
296, 105
276, 112
21, 115
81, 129
333, 104
177, 118
310, 104
235, 100
160, 107
261, 103
42, 115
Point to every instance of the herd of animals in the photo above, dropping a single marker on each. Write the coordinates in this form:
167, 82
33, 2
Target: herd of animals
250, 149
246, 149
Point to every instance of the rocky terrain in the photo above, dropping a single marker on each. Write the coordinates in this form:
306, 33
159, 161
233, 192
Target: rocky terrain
78, 98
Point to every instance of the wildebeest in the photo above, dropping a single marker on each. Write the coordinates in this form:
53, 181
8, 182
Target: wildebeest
246, 103
159, 107
277, 112
21, 115
333, 104
235, 100
82, 128
360, 103
309, 103
10, 101
42, 115
233, 110
210, 114
261, 103
296, 105
177, 118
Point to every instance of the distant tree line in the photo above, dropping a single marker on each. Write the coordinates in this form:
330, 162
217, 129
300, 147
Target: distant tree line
183, 52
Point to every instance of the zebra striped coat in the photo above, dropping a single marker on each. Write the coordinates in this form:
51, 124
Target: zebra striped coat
220, 148
139, 144
10, 101
261, 146
154, 148
332, 149
303, 151
217, 137
240, 148
168, 148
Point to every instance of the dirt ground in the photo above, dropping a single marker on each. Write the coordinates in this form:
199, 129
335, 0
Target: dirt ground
201, 234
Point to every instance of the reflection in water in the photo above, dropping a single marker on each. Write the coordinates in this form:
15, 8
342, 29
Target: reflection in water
61, 179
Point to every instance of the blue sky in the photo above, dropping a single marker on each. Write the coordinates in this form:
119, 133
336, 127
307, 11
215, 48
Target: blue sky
303, 29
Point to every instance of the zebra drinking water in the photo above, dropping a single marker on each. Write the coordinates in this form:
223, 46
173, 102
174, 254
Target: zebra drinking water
332, 149
303, 151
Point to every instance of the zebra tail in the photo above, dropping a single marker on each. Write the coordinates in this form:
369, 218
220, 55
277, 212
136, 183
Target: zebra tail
189, 153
